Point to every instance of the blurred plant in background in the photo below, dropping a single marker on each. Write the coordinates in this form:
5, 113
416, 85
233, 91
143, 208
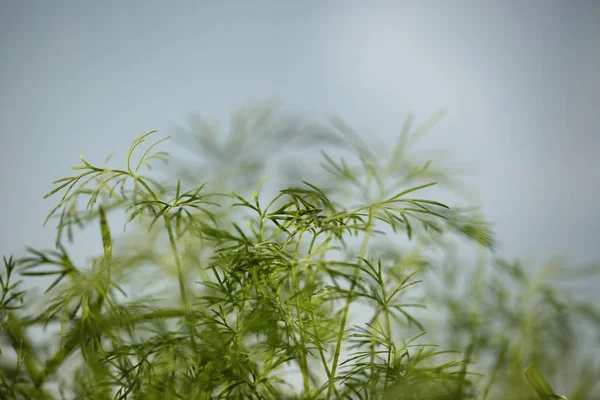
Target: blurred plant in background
339, 276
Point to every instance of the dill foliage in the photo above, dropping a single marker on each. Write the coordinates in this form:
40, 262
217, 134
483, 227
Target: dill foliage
326, 284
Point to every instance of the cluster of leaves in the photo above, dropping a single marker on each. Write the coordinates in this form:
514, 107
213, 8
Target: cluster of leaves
504, 316
283, 296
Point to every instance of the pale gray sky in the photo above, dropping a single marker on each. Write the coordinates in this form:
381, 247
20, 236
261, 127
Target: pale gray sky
519, 79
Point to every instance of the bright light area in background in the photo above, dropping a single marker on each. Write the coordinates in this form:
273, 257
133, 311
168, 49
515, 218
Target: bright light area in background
517, 81
389, 55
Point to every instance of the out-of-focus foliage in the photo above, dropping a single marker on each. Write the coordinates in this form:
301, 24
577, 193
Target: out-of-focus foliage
337, 277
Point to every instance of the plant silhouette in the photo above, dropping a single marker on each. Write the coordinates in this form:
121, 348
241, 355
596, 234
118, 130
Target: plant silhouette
320, 282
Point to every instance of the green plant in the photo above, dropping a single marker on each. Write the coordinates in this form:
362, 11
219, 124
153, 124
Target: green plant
304, 292
540, 385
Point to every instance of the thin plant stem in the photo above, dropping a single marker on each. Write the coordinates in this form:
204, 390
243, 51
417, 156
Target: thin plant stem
340, 337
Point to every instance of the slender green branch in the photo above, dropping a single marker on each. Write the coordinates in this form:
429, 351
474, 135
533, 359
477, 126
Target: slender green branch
348, 301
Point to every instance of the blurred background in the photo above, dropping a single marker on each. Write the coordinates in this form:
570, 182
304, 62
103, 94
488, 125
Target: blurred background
518, 80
